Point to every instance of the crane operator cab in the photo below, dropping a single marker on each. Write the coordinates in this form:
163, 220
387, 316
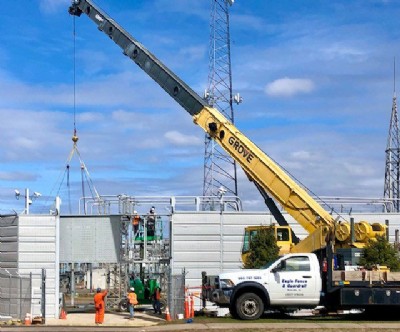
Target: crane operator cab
283, 236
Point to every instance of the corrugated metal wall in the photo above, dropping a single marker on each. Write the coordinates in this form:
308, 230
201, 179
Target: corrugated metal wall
9, 243
37, 251
209, 241
90, 239
27, 246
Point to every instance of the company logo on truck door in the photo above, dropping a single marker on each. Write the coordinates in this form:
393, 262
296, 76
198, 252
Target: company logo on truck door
294, 283
239, 147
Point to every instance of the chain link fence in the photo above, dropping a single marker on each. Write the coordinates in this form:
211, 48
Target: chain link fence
15, 294
176, 294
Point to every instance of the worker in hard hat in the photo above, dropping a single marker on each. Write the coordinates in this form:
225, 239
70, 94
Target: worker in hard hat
135, 223
132, 301
151, 221
99, 305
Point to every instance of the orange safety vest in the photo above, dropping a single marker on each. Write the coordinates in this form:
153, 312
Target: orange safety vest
157, 295
132, 297
135, 220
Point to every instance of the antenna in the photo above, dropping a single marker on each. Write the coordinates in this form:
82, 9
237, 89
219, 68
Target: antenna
394, 75
391, 190
219, 167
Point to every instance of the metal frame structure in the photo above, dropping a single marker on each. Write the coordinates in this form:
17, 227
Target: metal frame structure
392, 165
219, 168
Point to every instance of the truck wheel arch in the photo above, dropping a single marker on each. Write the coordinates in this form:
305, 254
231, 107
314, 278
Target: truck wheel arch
253, 287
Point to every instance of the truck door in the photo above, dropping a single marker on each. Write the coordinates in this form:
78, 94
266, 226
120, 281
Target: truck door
293, 281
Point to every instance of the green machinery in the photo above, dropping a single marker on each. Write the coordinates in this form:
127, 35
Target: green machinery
144, 292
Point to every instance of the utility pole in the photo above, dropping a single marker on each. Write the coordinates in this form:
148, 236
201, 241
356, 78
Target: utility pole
392, 170
219, 168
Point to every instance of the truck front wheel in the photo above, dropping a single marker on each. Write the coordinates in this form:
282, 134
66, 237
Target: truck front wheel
249, 306
232, 311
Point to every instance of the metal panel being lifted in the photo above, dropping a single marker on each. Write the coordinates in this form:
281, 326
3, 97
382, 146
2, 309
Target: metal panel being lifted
90, 239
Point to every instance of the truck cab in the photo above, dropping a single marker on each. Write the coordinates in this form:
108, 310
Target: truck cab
292, 282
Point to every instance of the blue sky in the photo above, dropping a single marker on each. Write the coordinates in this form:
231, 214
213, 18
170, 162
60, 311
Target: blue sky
316, 78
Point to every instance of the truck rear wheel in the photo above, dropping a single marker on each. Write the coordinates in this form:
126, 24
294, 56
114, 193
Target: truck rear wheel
249, 306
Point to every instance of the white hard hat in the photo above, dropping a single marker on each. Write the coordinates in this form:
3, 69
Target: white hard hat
132, 289
134, 212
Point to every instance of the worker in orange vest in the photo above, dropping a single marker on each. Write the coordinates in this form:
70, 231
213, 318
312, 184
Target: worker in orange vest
99, 305
156, 299
132, 301
135, 223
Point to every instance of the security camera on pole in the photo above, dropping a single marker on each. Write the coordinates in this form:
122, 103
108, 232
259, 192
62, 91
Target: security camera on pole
28, 199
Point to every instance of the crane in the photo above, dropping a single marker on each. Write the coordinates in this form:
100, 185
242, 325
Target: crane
259, 167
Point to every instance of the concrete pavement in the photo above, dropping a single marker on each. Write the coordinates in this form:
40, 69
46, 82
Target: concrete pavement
148, 322
293, 326
142, 318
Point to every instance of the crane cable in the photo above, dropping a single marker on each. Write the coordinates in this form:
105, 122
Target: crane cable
85, 176
74, 75
74, 137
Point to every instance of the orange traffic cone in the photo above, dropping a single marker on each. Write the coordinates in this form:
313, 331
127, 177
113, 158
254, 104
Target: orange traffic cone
186, 308
63, 314
27, 319
167, 315
191, 306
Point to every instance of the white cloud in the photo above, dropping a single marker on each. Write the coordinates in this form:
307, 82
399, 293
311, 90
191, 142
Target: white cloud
178, 138
301, 155
89, 117
288, 87
18, 176
359, 169
194, 53
53, 6
341, 50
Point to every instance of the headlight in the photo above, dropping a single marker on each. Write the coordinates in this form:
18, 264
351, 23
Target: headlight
226, 283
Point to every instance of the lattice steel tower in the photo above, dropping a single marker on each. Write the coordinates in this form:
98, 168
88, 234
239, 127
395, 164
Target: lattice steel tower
392, 171
219, 168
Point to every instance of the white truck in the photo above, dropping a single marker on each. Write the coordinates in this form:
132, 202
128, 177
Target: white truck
291, 282
306, 280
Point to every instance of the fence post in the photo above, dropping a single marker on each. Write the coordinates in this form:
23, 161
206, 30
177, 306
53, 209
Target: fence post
387, 229
169, 294
203, 289
43, 302
9, 294
20, 299
30, 292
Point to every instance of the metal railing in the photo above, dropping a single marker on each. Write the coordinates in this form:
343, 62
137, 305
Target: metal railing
124, 204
